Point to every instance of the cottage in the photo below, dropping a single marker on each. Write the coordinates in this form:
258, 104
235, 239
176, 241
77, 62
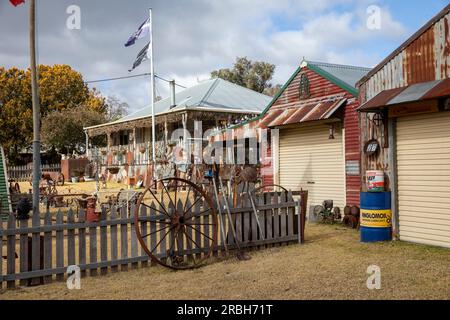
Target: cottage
214, 102
405, 114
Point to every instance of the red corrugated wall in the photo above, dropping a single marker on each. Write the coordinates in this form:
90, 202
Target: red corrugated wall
321, 88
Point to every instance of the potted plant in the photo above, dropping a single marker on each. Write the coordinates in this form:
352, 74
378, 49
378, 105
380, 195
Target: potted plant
142, 149
124, 152
114, 152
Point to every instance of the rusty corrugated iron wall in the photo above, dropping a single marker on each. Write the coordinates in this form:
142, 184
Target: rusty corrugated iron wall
422, 58
425, 58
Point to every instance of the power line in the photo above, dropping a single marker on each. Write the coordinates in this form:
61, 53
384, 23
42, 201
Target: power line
118, 78
133, 76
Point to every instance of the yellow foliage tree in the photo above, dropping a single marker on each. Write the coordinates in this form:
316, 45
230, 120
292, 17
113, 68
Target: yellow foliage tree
60, 88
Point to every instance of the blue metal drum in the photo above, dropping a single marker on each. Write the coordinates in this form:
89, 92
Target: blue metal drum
376, 217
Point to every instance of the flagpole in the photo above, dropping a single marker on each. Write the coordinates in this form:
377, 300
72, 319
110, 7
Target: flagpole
152, 90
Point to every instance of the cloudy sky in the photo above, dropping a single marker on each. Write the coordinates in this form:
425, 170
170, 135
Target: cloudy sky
194, 37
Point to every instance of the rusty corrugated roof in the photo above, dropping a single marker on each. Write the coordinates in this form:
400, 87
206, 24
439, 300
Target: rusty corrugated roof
416, 92
303, 112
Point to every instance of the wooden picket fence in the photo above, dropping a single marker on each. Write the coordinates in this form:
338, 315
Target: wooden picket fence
39, 252
24, 173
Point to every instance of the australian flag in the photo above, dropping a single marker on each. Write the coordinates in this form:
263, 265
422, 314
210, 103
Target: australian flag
142, 56
142, 32
15, 3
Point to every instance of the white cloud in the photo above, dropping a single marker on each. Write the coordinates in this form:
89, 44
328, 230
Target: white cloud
192, 38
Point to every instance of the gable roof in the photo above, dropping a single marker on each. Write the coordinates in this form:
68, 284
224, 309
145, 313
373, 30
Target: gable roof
215, 95
344, 76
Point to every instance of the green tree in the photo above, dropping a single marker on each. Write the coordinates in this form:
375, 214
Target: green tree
60, 88
255, 75
63, 130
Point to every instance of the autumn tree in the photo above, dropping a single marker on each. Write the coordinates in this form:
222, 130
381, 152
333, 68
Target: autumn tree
60, 88
255, 75
64, 130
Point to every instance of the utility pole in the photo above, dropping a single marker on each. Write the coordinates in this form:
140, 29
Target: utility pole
36, 111
152, 89
35, 260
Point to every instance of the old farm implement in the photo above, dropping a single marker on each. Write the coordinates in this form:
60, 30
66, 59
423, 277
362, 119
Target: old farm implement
181, 224
182, 213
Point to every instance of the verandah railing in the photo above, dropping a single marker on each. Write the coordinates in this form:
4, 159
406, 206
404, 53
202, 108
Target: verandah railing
39, 252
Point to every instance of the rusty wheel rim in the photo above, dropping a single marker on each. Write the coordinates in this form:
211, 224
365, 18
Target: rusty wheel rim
178, 220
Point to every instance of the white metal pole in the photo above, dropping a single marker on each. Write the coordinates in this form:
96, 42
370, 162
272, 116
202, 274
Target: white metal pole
152, 91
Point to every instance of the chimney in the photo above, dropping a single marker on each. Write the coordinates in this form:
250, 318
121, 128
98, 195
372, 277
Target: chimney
173, 103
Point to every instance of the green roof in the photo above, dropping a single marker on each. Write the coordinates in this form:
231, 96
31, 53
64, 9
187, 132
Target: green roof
344, 76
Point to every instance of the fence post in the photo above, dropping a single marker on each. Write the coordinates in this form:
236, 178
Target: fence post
291, 213
23, 256
11, 251
93, 247
134, 245
70, 239
103, 243
59, 246
144, 231
82, 240
48, 254
114, 250
124, 239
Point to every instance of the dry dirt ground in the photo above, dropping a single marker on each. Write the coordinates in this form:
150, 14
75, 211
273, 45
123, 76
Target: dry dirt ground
331, 265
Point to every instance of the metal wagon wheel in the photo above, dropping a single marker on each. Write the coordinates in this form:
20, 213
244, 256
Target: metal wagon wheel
183, 224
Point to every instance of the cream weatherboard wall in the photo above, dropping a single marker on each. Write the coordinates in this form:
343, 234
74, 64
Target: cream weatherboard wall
423, 159
309, 160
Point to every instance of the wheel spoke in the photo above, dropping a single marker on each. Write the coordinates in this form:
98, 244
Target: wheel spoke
197, 215
164, 208
147, 235
201, 232
187, 198
192, 240
172, 246
184, 214
160, 241
152, 208
168, 194
190, 246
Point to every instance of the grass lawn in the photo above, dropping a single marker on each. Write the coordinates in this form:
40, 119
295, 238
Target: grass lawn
331, 265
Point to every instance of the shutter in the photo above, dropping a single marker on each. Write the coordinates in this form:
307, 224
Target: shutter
423, 159
309, 160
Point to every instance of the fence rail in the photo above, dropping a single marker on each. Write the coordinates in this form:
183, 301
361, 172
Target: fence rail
24, 173
39, 252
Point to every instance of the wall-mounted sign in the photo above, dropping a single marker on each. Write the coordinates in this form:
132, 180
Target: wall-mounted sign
372, 147
352, 168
